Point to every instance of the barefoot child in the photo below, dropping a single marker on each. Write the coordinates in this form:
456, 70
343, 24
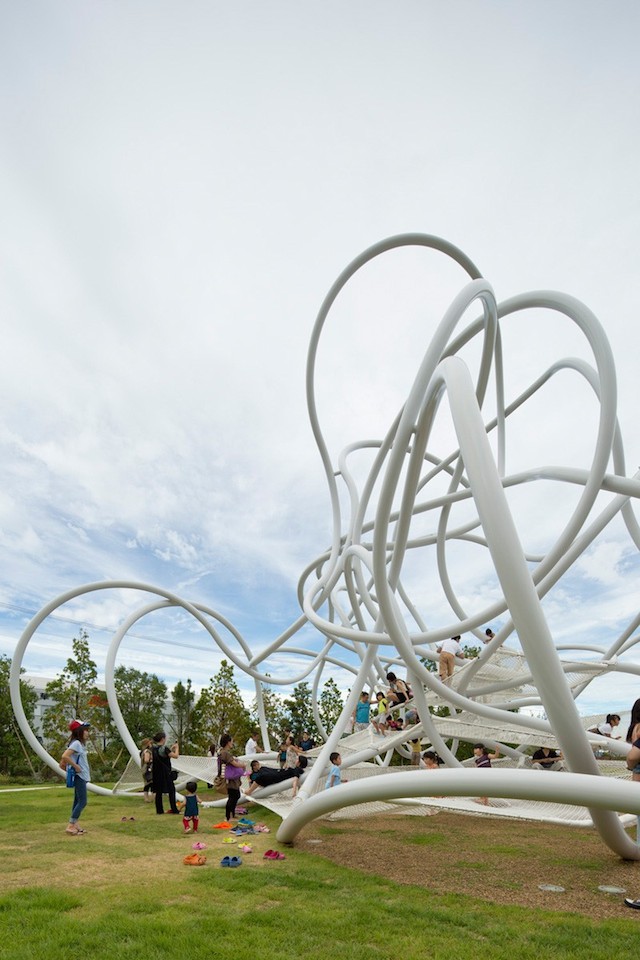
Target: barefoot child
190, 815
483, 759
379, 719
335, 774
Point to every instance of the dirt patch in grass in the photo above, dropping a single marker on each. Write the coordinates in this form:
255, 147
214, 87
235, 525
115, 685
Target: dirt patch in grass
495, 860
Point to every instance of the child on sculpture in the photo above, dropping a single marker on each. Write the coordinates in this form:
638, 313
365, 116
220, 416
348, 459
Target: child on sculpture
380, 717
360, 715
429, 760
606, 729
335, 774
483, 760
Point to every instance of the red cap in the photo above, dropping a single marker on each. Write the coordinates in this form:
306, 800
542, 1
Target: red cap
77, 725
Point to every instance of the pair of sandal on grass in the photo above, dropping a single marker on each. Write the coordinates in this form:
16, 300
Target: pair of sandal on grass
231, 862
274, 855
194, 860
244, 847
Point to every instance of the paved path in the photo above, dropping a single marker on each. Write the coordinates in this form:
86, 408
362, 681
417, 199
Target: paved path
21, 789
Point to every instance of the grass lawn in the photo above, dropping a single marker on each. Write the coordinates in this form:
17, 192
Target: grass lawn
121, 890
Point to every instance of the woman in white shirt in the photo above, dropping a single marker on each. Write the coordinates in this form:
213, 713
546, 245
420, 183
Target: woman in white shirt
76, 756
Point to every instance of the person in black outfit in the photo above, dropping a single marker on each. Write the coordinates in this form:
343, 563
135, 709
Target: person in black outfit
266, 776
162, 773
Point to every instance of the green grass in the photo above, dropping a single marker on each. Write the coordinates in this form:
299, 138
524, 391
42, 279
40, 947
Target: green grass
121, 891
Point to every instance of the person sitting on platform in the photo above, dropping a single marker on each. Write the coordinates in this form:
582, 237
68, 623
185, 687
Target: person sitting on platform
547, 759
306, 742
398, 691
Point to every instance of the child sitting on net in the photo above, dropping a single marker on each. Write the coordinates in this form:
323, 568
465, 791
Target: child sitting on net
190, 817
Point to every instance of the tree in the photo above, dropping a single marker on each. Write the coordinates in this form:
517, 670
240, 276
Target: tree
182, 701
274, 714
220, 709
299, 712
14, 756
141, 697
330, 705
103, 729
71, 693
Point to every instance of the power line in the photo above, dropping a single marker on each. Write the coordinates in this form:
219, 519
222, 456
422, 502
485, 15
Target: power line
94, 626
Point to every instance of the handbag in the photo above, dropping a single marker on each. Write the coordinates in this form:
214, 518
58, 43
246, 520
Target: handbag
220, 785
233, 773
71, 776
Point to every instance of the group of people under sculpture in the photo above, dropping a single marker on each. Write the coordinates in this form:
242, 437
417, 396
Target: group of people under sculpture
156, 757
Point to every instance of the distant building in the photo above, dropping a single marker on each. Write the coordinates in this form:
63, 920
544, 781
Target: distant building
43, 703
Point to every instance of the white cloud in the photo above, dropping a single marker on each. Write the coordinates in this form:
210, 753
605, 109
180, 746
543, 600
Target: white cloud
168, 236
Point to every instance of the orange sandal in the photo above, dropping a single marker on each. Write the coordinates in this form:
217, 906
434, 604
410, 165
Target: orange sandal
194, 860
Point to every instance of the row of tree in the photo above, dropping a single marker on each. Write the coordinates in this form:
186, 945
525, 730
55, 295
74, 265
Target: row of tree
147, 706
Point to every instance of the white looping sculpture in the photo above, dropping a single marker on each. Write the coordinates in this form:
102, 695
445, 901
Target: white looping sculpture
355, 596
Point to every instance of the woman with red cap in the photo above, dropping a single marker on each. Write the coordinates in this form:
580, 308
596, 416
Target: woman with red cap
76, 756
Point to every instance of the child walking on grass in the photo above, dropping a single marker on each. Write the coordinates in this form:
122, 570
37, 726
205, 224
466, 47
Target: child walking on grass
190, 817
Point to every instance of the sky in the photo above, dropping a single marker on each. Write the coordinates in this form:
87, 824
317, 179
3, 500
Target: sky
180, 184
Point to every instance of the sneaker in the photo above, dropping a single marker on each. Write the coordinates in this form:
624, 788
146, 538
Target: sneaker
634, 904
